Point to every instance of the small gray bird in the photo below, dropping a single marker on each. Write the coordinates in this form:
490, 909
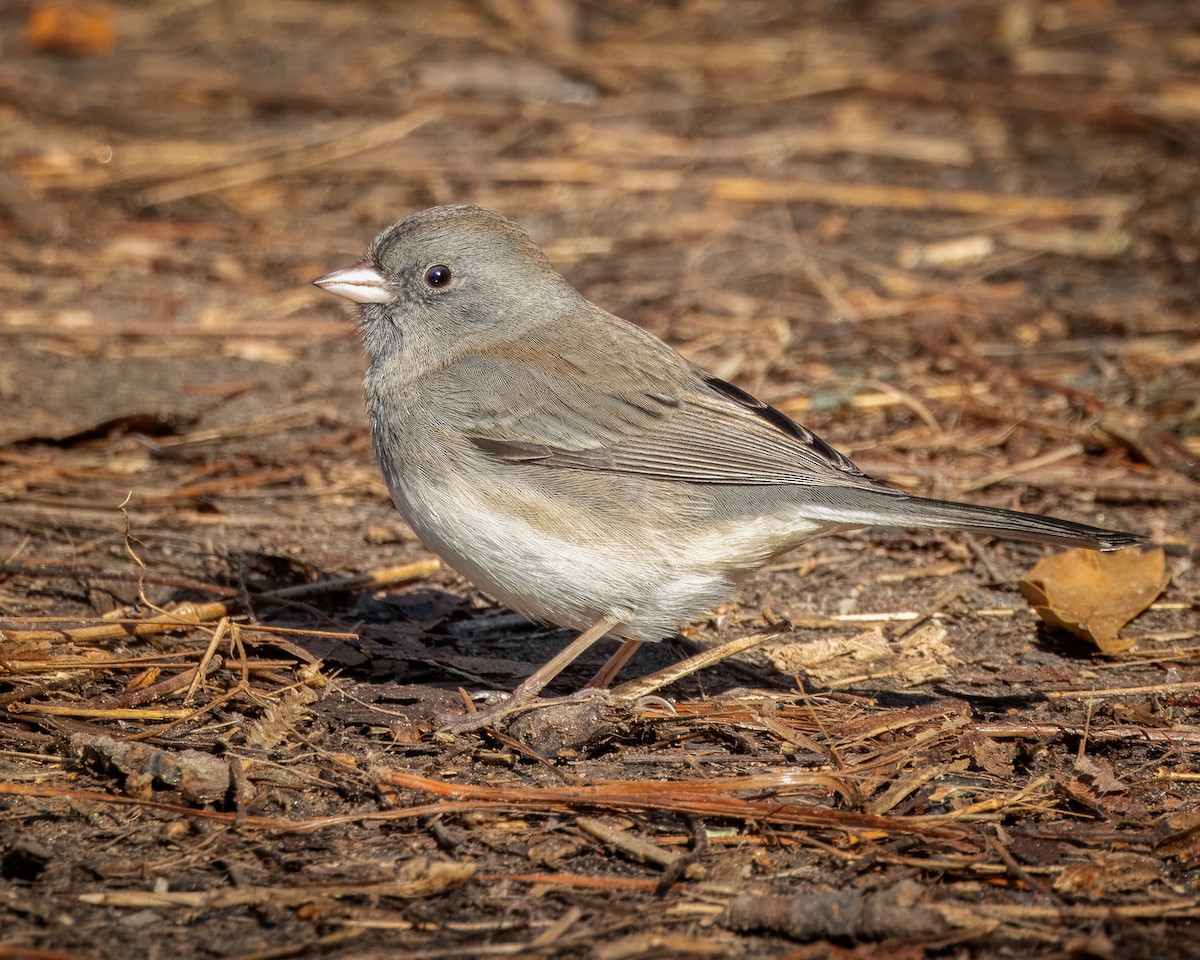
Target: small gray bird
577, 468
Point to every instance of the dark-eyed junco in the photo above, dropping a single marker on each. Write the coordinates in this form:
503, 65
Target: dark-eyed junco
576, 467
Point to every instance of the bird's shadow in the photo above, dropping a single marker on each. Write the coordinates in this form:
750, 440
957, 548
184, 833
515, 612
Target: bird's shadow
415, 649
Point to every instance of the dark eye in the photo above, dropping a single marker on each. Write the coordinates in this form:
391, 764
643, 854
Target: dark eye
438, 276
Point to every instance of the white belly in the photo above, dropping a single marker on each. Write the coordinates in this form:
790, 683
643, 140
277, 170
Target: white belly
561, 565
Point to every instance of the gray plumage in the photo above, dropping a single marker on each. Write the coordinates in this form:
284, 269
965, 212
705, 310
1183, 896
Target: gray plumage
575, 466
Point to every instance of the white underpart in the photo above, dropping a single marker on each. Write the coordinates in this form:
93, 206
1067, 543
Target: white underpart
578, 577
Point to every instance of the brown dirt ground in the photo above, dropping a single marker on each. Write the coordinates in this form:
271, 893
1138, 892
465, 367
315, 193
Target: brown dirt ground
958, 239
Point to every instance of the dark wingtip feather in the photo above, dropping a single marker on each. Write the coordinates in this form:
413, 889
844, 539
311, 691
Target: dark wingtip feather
892, 509
1117, 540
1015, 525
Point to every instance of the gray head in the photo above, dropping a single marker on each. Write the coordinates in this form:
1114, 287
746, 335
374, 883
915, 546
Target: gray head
448, 280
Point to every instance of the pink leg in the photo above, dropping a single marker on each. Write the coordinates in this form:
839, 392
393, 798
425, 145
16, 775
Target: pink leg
532, 685
613, 666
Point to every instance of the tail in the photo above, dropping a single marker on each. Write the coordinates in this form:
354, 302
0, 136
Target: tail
887, 509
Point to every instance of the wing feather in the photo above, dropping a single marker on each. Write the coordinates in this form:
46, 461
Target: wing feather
662, 419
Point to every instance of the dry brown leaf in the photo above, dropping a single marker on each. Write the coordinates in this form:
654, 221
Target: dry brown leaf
1109, 872
71, 28
1095, 594
993, 756
921, 655
1099, 775
198, 776
1183, 840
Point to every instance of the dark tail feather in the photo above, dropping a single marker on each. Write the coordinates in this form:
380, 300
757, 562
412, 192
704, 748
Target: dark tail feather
902, 510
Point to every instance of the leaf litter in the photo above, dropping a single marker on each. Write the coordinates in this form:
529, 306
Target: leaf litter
963, 258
